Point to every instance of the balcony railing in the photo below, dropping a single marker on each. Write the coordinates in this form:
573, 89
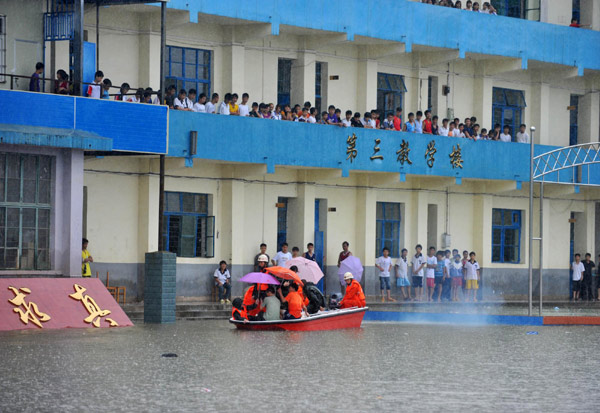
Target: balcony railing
417, 23
274, 143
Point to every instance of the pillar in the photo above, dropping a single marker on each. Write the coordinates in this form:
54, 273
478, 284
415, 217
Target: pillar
302, 227
73, 212
482, 97
303, 78
149, 58
233, 69
366, 83
147, 215
540, 113
366, 216
159, 287
589, 117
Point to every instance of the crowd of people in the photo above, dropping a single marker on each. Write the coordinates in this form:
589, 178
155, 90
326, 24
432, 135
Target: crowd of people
439, 276
190, 101
486, 7
583, 285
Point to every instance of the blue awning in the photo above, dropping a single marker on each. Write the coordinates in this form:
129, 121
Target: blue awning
54, 137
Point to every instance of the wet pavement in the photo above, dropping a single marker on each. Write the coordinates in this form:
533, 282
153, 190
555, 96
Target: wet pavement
386, 367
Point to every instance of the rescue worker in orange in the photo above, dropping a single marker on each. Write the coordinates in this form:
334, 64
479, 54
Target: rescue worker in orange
295, 303
354, 293
238, 312
251, 298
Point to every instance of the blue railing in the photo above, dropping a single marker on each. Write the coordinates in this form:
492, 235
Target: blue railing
416, 23
271, 142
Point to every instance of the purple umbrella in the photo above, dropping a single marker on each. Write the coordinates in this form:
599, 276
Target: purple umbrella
259, 278
351, 264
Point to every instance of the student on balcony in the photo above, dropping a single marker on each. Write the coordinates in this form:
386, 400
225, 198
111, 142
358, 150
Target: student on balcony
34, 82
224, 106
95, 89
181, 102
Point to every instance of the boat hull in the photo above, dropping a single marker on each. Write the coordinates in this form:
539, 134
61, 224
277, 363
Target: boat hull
329, 320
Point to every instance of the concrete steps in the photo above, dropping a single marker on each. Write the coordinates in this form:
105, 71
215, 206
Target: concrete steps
184, 311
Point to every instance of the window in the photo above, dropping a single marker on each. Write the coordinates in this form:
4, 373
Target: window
188, 230
2, 47
284, 81
507, 108
576, 13
432, 93
282, 207
25, 207
390, 93
509, 8
318, 68
532, 10
506, 236
189, 69
388, 228
573, 114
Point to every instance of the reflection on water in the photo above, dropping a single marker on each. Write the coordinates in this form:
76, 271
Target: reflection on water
389, 367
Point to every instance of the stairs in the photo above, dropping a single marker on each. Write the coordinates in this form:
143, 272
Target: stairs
184, 311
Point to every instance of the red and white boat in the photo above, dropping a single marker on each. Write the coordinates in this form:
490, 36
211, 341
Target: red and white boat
323, 320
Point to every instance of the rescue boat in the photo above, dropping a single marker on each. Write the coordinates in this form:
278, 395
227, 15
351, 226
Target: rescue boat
323, 320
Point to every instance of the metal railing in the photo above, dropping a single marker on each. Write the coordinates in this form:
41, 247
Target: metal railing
570, 157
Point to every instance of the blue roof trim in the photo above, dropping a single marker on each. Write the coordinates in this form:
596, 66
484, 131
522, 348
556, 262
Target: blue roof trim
54, 137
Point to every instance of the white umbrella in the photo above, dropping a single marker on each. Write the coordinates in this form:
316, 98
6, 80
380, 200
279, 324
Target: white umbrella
307, 270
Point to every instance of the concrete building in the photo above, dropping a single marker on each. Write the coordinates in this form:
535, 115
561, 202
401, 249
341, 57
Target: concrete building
255, 180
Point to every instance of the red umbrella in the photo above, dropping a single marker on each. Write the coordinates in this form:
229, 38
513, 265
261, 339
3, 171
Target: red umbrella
285, 273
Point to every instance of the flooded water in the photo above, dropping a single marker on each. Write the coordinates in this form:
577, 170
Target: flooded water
385, 367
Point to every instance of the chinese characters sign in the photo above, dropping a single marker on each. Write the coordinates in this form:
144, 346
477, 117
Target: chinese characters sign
403, 153
50, 303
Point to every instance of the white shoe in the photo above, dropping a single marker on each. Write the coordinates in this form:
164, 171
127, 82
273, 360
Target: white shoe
227, 302
222, 301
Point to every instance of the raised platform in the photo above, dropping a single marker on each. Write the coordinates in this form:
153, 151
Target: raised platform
54, 303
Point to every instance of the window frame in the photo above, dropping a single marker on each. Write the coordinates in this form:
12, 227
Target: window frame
205, 217
284, 83
318, 85
182, 80
516, 224
21, 205
282, 221
505, 106
383, 92
380, 223
2, 47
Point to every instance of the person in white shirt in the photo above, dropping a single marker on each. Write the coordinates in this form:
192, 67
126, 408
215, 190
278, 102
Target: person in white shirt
347, 122
211, 106
402, 274
311, 117
282, 256
443, 130
244, 109
418, 263
505, 135
472, 276
224, 106
200, 106
95, 89
223, 282
430, 273
181, 102
384, 264
578, 270
366, 121
522, 136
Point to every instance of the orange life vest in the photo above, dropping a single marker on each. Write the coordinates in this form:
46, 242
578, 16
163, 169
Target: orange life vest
294, 301
241, 312
354, 293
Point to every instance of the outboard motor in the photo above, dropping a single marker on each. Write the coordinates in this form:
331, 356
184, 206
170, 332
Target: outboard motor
334, 300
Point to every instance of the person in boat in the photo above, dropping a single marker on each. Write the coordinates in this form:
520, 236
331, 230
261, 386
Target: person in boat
294, 302
252, 302
354, 297
262, 263
238, 312
314, 300
271, 305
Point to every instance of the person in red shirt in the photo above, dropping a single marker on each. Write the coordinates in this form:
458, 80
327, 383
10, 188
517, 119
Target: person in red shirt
354, 297
295, 303
427, 123
398, 119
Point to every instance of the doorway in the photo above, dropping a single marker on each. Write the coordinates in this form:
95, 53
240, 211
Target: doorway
320, 238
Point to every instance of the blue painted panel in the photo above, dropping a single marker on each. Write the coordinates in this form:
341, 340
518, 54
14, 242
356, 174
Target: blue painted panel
89, 62
132, 126
444, 318
418, 23
129, 126
252, 140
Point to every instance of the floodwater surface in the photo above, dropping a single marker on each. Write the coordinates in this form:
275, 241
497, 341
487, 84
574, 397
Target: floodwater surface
385, 367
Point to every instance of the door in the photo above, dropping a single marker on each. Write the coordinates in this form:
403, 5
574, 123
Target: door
319, 247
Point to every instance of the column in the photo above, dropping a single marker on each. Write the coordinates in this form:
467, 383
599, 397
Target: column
149, 58
589, 117
147, 215
418, 222
366, 215
73, 212
540, 113
303, 78
233, 69
482, 97
302, 227
366, 85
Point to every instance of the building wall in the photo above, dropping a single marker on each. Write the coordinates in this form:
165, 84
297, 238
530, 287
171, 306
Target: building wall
243, 201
